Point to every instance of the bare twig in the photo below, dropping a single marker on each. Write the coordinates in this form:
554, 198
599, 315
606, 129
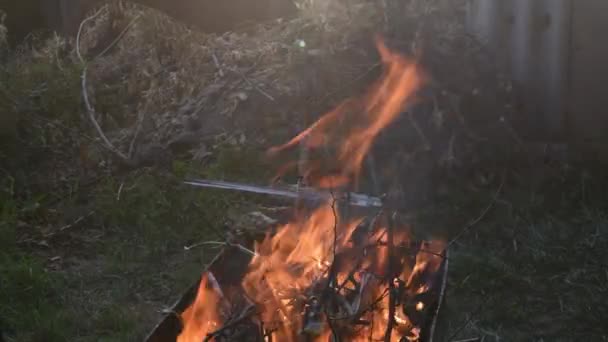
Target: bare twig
217, 64
224, 244
119, 192
91, 114
77, 221
205, 243
425, 140
385, 15
349, 83
255, 86
441, 294
80, 29
140, 123
481, 216
371, 162
85, 95
119, 37
469, 320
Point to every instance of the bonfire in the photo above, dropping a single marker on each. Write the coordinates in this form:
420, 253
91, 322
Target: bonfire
329, 274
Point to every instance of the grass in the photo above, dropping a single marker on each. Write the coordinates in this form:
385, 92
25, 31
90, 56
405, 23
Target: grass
531, 271
107, 277
533, 280
94, 257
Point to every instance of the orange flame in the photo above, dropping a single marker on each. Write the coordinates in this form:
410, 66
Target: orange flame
202, 317
290, 266
362, 119
291, 261
293, 264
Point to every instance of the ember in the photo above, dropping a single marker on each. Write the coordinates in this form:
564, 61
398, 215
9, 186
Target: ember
325, 276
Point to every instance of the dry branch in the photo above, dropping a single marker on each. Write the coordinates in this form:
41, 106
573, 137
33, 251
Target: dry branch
89, 107
91, 114
481, 216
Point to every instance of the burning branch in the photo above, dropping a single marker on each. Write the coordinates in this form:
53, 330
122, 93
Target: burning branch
392, 302
331, 280
246, 314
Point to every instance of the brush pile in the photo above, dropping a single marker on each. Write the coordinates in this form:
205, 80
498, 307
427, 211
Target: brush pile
156, 90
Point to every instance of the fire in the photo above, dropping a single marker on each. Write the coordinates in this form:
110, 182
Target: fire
361, 119
292, 261
202, 317
323, 274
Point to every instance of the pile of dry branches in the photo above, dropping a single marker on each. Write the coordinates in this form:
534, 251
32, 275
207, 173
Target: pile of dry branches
174, 86
153, 88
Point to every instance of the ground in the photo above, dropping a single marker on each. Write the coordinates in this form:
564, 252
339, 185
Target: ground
94, 251
530, 269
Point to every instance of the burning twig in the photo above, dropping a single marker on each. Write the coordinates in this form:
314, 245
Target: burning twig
357, 316
390, 277
441, 294
214, 284
243, 316
331, 279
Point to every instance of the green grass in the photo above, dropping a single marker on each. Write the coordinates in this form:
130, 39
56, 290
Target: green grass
97, 261
531, 271
116, 269
528, 270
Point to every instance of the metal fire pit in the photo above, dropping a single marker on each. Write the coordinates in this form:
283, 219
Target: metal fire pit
236, 262
230, 259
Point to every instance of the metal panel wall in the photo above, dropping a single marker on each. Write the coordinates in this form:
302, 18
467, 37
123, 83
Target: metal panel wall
588, 91
530, 39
